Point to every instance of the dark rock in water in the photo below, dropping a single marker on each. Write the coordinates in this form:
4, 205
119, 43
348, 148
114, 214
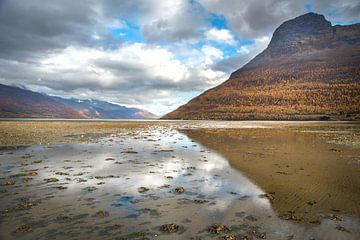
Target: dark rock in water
51, 180
290, 215
169, 228
24, 229
179, 189
335, 217
143, 189
218, 228
200, 201
101, 214
269, 196
230, 237
8, 183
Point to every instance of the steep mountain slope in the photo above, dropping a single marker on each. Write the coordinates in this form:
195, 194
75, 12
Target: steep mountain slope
105, 110
18, 102
310, 70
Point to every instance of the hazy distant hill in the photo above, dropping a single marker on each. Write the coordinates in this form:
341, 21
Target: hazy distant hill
101, 109
310, 70
18, 102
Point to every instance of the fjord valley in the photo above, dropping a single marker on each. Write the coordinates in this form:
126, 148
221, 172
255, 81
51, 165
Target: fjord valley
309, 71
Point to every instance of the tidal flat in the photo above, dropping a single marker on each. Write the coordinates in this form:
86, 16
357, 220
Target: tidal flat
179, 180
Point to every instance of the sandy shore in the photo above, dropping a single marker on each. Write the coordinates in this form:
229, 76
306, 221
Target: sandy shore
14, 133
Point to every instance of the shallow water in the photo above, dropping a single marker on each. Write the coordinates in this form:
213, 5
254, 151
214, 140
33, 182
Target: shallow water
123, 187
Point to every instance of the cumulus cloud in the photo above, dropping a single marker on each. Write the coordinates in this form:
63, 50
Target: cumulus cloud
220, 35
133, 74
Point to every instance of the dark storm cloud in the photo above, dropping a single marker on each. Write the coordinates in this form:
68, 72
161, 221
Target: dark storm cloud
255, 18
34, 27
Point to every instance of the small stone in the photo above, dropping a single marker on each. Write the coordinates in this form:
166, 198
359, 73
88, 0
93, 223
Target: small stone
143, 189
24, 229
25, 206
8, 183
90, 189
229, 237
129, 152
180, 189
218, 228
269, 196
311, 203
50, 180
169, 228
290, 215
335, 217
200, 201
101, 214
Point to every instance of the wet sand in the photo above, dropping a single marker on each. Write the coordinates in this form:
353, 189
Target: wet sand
305, 174
127, 180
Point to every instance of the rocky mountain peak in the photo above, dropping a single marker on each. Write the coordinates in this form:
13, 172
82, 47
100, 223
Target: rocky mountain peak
304, 35
309, 31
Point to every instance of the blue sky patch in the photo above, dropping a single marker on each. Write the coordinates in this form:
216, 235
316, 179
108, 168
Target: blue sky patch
218, 21
130, 33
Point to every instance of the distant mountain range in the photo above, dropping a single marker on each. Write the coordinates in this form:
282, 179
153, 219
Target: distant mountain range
16, 102
309, 71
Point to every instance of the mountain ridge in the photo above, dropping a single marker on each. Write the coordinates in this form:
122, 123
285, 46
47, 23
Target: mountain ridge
17, 102
309, 71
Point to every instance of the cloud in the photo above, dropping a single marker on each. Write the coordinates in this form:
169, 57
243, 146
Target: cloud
133, 74
257, 18
220, 35
245, 54
154, 54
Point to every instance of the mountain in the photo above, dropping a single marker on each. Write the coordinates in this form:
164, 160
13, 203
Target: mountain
105, 110
17, 102
309, 71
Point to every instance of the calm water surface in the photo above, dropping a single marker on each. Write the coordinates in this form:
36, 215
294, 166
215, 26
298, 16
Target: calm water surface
123, 187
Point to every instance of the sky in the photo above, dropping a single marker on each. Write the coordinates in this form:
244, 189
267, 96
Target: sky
151, 54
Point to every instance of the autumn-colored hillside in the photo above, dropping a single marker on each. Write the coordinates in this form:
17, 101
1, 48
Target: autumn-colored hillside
310, 71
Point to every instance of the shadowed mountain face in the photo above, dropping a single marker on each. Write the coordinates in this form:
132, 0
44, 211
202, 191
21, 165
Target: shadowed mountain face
17, 102
310, 70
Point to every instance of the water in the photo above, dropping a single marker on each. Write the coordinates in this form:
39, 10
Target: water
123, 187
